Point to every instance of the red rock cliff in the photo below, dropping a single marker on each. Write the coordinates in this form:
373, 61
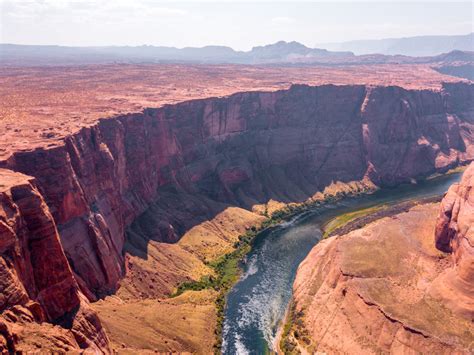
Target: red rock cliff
385, 288
455, 234
179, 163
37, 283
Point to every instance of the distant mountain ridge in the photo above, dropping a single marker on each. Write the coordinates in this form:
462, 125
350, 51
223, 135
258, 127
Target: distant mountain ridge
281, 52
272, 53
287, 51
411, 46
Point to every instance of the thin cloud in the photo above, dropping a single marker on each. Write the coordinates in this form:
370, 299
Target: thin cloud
29, 9
283, 20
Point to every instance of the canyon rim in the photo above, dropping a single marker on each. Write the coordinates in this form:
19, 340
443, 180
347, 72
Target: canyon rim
137, 203
139, 185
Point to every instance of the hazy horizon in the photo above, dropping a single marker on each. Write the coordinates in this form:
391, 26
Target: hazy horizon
241, 25
315, 46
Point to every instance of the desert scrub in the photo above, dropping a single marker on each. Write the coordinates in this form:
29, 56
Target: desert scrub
286, 344
294, 333
226, 274
227, 267
340, 221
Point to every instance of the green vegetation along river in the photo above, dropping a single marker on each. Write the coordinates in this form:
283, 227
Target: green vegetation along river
256, 304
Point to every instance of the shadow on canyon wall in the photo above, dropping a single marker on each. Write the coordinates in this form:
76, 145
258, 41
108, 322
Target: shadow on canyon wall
465, 71
290, 152
163, 171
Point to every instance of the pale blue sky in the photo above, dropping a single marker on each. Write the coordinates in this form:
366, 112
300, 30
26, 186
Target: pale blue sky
240, 25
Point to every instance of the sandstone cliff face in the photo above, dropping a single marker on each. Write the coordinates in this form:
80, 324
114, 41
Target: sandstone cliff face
158, 173
385, 288
455, 234
36, 283
184, 163
28, 230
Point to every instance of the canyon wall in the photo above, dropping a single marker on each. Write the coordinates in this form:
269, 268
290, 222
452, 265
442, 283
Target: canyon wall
455, 235
164, 170
385, 288
462, 70
37, 284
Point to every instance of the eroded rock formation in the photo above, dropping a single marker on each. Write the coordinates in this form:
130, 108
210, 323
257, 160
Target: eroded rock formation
455, 235
385, 288
37, 284
240, 150
160, 172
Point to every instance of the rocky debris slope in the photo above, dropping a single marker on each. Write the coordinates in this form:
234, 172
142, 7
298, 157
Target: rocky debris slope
386, 288
154, 270
161, 172
184, 163
37, 284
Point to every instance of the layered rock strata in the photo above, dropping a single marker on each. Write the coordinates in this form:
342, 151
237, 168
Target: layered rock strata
455, 235
385, 288
160, 172
37, 285
241, 150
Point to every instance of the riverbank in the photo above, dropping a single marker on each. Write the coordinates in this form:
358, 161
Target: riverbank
382, 289
141, 318
258, 303
292, 332
346, 222
376, 278
350, 221
226, 270
201, 267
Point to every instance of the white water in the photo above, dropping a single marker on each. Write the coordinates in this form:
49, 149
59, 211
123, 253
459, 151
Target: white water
257, 303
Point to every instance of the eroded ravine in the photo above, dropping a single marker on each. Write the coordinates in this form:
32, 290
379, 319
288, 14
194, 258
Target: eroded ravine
257, 303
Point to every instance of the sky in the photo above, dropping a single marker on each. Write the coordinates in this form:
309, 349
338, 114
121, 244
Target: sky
240, 25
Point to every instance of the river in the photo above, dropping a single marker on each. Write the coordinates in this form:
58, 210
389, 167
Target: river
257, 303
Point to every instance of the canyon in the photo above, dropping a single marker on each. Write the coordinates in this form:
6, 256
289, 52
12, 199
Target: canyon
42, 105
103, 216
401, 284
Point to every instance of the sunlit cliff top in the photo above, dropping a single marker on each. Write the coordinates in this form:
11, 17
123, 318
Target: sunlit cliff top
41, 105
